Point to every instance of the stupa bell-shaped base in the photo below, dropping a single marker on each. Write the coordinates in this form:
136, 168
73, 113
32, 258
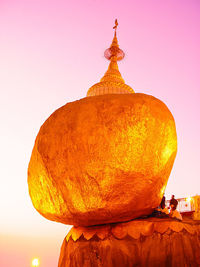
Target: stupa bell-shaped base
112, 81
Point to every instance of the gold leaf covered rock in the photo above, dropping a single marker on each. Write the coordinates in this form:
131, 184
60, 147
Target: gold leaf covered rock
102, 159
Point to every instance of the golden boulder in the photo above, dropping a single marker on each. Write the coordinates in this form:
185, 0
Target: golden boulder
102, 159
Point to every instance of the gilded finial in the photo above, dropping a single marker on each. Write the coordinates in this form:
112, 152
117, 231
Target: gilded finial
114, 50
116, 24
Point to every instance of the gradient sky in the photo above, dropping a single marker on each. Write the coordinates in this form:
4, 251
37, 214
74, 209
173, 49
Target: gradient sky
51, 52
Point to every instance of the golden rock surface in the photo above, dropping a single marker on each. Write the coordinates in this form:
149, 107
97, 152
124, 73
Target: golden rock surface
102, 159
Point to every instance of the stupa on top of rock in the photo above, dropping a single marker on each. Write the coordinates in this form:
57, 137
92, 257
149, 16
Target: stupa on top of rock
112, 81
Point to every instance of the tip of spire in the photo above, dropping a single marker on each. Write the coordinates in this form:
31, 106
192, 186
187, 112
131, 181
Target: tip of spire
116, 24
114, 50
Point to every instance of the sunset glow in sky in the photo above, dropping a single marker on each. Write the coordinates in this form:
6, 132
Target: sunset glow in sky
51, 52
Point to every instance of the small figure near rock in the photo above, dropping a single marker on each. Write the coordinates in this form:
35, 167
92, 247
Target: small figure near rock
174, 213
173, 201
163, 209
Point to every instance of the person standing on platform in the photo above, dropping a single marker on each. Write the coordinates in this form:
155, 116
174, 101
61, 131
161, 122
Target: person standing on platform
162, 203
162, 208
173, 202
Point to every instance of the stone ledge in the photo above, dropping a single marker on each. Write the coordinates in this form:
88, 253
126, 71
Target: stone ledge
134, 229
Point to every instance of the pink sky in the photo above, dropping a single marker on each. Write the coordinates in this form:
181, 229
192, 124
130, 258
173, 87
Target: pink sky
51, 53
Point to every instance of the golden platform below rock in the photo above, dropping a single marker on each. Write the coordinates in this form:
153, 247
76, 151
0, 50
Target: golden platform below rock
146, 242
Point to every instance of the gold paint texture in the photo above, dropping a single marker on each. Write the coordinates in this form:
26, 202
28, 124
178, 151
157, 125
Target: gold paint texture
102, 159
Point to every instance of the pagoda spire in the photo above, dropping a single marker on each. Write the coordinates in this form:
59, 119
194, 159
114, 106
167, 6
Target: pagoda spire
114, 49
112, 81
114, 54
